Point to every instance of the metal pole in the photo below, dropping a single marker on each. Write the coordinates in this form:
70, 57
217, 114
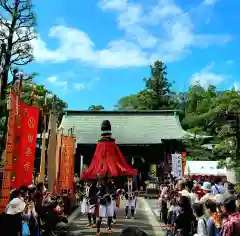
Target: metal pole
81, 164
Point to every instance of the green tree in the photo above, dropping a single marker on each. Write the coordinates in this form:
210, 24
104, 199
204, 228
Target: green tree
216, 114
158, 85
96, 108
155, 96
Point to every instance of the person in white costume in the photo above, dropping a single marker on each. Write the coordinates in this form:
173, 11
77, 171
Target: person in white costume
91, 204
113, 193
106, 208
84, 206
130, 193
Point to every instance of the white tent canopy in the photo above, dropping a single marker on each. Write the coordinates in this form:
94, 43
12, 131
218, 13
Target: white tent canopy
204, 168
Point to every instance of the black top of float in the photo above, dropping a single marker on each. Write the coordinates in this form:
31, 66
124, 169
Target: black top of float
106, 126
106, 131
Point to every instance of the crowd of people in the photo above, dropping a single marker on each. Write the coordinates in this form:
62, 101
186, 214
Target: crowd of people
201, 209
100, 200
32, 211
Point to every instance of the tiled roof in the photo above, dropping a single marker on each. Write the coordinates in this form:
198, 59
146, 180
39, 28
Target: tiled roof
129, 127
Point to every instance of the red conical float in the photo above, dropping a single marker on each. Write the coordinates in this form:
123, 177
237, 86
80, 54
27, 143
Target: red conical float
108, 160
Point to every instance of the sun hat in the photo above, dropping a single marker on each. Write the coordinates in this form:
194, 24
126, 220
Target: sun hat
15, 206
31, 186
206, 186
184, 193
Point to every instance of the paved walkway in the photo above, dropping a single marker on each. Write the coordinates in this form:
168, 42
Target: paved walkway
145, 220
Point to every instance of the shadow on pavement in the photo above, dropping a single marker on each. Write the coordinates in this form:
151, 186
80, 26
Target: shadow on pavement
78, 225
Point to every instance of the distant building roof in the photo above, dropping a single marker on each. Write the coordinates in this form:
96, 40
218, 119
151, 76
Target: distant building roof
128, 127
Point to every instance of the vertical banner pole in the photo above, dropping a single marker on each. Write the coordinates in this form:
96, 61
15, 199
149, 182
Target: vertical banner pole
81, 164
42, 165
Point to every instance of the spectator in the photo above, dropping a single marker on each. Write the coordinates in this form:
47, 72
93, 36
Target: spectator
198, 210
214, 222
238, 202
189, 188
11, 222
231, 226
185, 218
218, 188
207, 189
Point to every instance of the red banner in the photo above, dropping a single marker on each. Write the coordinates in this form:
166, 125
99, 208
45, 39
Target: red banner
184, 160
67, 163
26, 156
17, 143
8, 163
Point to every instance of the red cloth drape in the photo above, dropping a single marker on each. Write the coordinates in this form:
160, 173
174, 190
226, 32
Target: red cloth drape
108, 161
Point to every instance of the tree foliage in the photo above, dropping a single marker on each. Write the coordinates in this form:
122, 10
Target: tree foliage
156, 94
203, 112
17, 24
96, 108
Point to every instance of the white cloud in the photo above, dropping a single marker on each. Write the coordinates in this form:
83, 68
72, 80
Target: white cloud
206, 77
52, 79
163, 31
66, 84
79, 86
89, 85
209, 2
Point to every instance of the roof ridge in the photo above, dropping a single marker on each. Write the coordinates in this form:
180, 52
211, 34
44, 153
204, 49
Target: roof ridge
137, 112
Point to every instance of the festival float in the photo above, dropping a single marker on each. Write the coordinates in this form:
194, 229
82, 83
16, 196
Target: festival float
108, 160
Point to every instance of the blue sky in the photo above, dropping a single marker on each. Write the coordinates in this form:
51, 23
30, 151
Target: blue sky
97, 51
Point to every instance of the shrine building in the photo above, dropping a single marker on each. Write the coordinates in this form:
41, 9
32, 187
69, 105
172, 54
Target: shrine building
144, 137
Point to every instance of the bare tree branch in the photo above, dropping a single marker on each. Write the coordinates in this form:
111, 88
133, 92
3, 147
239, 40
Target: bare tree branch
17, 31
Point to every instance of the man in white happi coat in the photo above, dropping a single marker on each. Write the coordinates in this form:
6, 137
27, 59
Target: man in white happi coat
106, 207
130, 193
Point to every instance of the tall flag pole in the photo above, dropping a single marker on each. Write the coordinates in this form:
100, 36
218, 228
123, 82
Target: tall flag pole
52, 145
42, 163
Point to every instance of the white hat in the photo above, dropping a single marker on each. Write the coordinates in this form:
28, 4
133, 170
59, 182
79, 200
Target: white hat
206, 186
185, 193
31, 186
15, 206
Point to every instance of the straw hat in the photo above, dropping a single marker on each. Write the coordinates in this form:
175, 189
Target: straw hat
15, 206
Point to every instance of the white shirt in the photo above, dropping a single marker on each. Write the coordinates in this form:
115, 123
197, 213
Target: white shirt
202, 226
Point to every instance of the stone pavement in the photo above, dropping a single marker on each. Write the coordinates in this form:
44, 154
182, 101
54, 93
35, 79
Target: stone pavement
145, 220
155, 206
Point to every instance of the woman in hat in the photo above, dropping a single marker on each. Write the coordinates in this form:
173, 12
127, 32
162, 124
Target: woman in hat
11, 220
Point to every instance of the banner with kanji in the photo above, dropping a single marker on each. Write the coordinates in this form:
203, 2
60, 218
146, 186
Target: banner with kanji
17, 142
67, 163
177, 165
8, 156
29, 125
